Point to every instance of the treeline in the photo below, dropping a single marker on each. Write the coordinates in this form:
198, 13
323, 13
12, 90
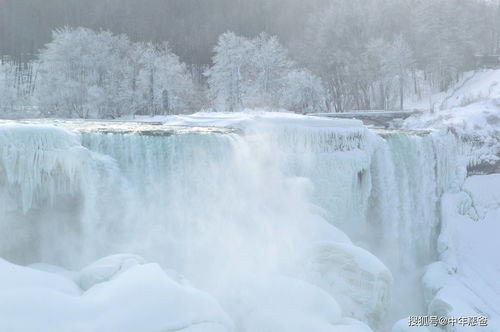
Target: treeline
88, 74
346, 55
17, 84
258, 73
85, 73
371, 53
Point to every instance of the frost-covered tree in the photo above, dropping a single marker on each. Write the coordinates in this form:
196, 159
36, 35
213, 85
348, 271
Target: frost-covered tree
389, 64
17, 82
333, 48
8, 96
115, 76
81, 72
303, 92
248, 73
230, 71
397, 64
268, 68
441, 36
164, 86
258, 73
444, 39
84, 73
100, 74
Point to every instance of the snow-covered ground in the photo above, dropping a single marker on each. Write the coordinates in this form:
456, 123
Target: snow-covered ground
118, 293
289, 223
473, 86
472, 111
246, 118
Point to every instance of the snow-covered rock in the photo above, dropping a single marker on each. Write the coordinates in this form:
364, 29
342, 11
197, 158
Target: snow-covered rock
14, 277
106, 269
358, 280
287, 304
141, 298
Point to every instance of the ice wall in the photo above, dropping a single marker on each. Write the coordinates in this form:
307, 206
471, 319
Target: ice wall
384, 191
52, 193
328, 203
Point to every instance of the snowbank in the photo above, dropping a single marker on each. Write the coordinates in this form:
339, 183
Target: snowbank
465, 282
142, 298
358, 280
474, 87
127, 294
286, 304
248, 117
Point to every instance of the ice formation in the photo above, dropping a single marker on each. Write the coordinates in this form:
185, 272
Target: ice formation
287, 223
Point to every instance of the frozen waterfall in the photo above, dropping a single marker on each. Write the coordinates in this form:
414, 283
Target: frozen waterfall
278, 211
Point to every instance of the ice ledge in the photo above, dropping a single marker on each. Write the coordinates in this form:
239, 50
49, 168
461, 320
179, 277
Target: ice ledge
124, 127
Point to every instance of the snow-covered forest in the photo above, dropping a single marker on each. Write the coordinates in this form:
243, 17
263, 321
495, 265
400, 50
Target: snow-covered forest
321, 56
87, 74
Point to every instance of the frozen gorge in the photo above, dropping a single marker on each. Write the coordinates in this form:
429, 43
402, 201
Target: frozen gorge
247, 223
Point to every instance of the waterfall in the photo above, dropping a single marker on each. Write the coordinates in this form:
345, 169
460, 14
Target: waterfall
335, 205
